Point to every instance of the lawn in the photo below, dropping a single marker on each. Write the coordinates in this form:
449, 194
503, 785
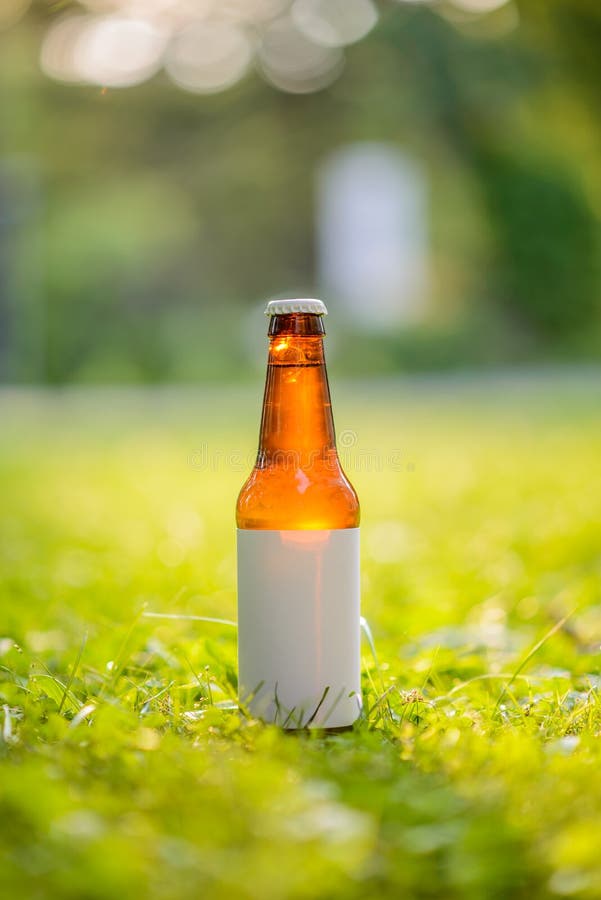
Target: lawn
126, 770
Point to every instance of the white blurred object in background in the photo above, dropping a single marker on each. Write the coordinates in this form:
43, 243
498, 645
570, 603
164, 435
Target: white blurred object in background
372, 234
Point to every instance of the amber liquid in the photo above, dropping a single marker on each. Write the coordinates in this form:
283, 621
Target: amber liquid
297, 481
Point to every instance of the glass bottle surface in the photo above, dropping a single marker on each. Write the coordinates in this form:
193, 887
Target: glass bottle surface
297, 481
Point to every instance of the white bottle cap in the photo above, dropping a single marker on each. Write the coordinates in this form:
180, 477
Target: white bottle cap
285, 307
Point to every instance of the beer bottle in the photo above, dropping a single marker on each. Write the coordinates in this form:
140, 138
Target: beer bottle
298, 543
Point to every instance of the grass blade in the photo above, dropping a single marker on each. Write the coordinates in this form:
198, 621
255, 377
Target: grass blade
532, 652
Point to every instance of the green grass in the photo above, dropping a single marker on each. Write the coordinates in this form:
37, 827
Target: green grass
476, 772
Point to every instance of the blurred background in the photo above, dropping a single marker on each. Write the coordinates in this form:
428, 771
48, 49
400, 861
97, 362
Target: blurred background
432, 169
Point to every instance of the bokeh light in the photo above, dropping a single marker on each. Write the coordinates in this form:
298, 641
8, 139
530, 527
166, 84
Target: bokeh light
107, 50
208, 57
334, 23
206, 47
119, 52
251, 11
291, 62
57, 57
171, 13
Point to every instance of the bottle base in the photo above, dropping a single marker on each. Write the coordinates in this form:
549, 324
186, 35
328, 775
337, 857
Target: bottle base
320, 731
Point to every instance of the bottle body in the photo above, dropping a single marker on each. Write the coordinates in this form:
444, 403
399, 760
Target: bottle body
298, 548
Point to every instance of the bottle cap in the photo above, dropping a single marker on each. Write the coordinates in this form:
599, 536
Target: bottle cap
286, 307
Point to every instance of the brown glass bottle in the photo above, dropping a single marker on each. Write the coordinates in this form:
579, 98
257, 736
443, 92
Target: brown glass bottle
298, 542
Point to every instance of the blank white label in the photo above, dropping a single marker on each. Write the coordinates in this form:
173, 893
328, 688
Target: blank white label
299, 626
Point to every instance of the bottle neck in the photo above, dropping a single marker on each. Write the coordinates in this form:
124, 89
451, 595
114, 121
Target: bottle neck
297, 428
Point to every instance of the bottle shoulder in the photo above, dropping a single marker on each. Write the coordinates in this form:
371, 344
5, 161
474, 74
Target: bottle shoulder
288, 497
